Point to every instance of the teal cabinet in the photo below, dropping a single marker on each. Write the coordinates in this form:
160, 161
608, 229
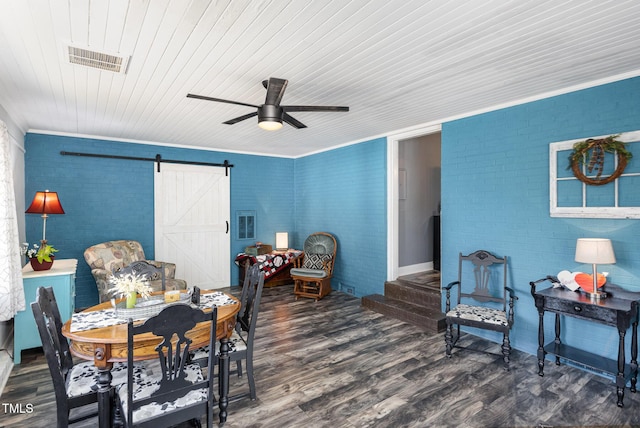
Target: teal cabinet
62, 277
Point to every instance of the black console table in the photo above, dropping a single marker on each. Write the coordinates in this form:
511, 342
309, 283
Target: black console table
619, 309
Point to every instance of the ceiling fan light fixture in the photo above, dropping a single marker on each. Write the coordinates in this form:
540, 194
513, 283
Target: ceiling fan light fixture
270, 117
270, 125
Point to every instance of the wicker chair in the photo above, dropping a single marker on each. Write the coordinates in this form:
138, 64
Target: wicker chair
312, 275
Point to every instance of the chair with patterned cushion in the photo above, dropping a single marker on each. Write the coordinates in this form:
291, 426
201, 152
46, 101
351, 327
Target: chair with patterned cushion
173, 390
312, 275
241, 340
74, 385
481, 299
112, 256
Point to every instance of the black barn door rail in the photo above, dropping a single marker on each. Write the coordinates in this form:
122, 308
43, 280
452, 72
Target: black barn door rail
226, 165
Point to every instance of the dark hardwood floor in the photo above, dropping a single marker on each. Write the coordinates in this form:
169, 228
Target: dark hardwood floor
335, 364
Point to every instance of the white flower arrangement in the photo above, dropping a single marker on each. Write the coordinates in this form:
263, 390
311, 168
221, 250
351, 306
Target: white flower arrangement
124, 285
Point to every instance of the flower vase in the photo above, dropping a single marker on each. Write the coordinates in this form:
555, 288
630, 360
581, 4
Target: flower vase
131, 300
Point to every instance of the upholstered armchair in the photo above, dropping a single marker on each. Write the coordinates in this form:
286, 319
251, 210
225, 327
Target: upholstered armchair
312, 275
111, 256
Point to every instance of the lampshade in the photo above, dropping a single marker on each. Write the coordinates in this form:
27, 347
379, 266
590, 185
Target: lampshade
45, 203
282, 240
595, 251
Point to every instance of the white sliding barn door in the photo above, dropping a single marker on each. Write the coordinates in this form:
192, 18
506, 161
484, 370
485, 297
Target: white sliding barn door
192, 223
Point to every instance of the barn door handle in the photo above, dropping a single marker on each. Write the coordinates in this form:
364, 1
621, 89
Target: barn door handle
227, 221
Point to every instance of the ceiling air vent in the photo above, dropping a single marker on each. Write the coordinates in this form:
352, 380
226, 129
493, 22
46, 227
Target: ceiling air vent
99, 60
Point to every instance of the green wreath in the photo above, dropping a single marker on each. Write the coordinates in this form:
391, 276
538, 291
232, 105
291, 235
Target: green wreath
591, 153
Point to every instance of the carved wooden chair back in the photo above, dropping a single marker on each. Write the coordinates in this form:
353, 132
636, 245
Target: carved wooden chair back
486, 284
175, 390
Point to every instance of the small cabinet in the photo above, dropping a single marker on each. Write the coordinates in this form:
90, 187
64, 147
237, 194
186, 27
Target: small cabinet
62, 278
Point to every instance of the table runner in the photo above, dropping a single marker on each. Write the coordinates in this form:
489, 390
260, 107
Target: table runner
82, 321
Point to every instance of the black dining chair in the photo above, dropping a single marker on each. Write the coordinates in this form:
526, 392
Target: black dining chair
74, 385
172, 390
241, 340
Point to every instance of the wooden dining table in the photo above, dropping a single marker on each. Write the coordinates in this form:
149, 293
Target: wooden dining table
107, 345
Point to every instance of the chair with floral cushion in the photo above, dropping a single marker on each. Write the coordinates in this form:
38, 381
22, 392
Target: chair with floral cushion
312, 275
74, 385
112, 256
481, 299
173, 390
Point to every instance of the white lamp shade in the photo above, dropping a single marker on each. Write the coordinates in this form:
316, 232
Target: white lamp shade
595, 250
282, 240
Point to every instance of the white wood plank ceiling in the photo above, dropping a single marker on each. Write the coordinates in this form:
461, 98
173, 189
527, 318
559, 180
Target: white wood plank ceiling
396, 63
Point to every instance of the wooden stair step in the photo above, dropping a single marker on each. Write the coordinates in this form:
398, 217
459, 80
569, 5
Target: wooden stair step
413, 293
429, 319
429, 280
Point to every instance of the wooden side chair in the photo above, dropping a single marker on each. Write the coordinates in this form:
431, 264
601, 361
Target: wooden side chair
312, 275
241, 340
481, 299
74, 385
172, 390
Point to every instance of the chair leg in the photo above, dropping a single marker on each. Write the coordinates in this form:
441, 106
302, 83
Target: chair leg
252, 382
506, 350
239, 367
448, 338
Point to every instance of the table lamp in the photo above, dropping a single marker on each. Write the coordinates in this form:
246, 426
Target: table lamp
45, 203
595, 251
282, 241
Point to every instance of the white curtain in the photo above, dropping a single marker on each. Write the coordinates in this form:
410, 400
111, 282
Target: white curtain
11, 290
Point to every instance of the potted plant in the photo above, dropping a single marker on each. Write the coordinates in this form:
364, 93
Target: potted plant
129, 286
41, 256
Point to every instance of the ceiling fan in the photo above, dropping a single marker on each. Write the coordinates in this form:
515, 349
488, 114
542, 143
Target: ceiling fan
271, 114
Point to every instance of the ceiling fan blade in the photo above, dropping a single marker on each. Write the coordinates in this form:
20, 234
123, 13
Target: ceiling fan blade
240, 118
314, 108
293, 122
202, 97
275, 91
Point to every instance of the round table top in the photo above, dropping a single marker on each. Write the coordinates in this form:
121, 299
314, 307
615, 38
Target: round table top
109, 344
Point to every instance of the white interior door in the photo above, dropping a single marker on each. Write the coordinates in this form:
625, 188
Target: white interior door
192, 223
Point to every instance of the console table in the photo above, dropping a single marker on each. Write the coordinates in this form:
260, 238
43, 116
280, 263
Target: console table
619, 309
61, 277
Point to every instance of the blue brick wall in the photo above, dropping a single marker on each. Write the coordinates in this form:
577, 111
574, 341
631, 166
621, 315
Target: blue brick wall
106, 199
495, 196
343, 192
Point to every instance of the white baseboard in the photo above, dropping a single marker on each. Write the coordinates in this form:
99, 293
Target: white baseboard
420, 267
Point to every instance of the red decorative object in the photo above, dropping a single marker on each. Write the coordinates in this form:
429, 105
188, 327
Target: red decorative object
585, 281
45, 265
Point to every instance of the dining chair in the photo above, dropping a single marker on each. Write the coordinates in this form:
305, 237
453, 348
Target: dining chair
74, 385
481, 299
172, 390
241, 340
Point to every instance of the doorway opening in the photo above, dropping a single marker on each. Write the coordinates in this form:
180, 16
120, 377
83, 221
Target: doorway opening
413, 201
